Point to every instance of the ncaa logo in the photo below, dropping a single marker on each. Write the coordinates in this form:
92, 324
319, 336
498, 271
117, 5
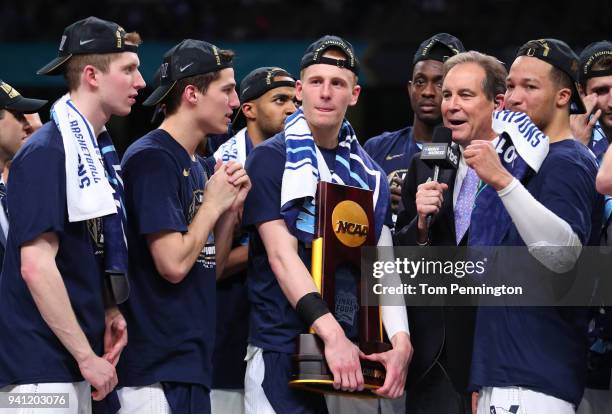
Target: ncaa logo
350, 223
163, 70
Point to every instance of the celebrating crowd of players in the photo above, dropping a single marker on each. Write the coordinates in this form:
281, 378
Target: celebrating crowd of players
216, 285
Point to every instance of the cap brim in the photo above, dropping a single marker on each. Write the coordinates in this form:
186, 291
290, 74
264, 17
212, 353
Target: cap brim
54, 67
158, 94
577, 102
25, 105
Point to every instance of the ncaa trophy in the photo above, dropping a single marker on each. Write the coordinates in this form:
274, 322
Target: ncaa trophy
344, 224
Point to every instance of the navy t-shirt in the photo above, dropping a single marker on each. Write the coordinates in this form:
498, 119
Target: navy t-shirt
543, 348
274, 324
393, 152
29, 351
171, 326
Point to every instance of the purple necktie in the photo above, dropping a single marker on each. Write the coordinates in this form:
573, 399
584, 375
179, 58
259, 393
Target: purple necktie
464, 204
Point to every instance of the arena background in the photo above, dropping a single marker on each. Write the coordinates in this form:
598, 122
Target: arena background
276, 32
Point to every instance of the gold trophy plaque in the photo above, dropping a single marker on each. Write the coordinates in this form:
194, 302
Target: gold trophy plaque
344, 224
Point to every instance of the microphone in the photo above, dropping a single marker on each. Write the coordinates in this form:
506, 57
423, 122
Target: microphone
440, 154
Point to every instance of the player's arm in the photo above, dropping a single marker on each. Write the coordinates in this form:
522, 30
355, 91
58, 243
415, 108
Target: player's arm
604, 176
224, 234
41, 275
225, 226
550, 238
115, 326
296, 283
236, 262
174, 253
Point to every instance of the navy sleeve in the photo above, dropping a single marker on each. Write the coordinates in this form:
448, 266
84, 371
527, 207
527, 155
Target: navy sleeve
388, 221
373, 147
568, 190
36, 194
152, 192
265, 168
367, 146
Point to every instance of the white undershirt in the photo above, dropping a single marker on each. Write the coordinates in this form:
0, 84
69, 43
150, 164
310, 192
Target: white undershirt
394, 317
549, 238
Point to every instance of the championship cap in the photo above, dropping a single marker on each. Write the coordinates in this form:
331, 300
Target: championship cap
11, 99
188, 58
590, 55
261, 80
314, 54
439, 47
558, 54
88, 36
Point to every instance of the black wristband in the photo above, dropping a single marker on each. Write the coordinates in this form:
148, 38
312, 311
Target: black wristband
311, 307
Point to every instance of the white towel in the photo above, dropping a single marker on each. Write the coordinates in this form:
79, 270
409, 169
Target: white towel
300, 178
233, 149
530, 143
88, 192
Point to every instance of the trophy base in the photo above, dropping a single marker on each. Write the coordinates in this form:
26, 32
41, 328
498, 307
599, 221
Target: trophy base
311, 373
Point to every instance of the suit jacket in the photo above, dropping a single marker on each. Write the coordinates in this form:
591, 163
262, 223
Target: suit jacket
439, 335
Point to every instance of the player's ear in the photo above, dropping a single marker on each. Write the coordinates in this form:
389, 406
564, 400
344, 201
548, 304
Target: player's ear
499, 101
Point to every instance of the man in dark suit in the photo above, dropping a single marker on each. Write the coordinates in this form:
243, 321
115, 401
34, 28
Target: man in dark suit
472, 89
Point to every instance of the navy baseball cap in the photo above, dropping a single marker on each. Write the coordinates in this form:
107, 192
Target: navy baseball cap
11, 99
590, 55
314, 52
88, 36
439, 47
558, 54
261, 80
188, 58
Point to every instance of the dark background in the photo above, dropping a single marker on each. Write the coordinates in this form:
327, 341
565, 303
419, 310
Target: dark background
276, 32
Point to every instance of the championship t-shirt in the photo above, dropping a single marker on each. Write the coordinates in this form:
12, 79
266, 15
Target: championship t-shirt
544, 348
29, 351
274, 324
171, 325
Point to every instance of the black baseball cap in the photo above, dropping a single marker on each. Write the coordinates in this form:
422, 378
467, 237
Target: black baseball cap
261, 80
439, 47
11, 99
558, 54
590, 55
188, 58
88, 36
314, 52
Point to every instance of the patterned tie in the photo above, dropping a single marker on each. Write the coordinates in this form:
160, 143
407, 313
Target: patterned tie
465, 202
3, 198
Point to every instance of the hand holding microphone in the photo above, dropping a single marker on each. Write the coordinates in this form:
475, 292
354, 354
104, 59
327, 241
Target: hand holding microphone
438, 154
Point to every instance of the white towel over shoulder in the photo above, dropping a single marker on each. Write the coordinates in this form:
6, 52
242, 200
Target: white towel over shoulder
88, 192
233, 149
